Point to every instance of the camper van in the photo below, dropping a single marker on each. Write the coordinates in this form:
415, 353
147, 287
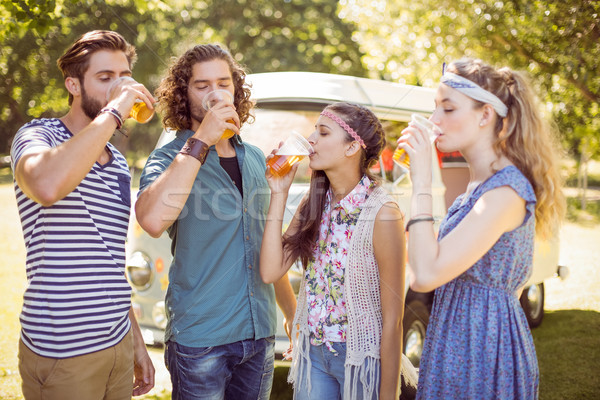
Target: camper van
292, 101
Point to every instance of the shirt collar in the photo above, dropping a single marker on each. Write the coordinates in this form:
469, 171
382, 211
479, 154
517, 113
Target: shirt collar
356, 197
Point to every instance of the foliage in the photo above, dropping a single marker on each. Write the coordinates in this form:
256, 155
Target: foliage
263, 35
557, 42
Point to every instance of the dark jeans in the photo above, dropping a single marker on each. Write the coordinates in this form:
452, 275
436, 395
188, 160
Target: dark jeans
240, 370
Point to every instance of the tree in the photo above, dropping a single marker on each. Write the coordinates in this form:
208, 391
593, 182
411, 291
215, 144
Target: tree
264, 35
36, 34
558, 43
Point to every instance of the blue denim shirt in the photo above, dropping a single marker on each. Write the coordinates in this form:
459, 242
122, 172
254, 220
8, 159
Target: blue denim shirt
215, 294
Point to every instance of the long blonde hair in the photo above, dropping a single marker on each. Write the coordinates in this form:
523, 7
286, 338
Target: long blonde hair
524, 137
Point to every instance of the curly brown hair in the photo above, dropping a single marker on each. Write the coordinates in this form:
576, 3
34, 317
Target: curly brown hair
172, 93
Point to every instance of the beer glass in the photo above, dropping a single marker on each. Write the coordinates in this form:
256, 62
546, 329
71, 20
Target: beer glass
294, 149
140, 111
213, 98
400, 156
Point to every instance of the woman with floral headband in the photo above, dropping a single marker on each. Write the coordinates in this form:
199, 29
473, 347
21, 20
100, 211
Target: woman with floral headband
478, 343
348, 324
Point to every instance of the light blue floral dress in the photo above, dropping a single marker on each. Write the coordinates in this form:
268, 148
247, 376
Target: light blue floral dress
478, 344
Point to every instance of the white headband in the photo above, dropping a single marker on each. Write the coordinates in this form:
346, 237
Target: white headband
474, 91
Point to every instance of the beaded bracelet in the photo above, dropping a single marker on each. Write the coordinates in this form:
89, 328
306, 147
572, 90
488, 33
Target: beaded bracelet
415, 220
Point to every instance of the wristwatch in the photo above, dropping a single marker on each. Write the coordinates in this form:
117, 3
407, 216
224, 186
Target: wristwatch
195, 148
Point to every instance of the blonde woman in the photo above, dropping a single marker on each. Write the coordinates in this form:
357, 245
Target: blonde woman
478, 343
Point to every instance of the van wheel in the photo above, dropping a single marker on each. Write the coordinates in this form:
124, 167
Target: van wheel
532, 301
416, 318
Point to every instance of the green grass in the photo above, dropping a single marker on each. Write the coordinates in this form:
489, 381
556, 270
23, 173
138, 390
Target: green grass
12, 286
5, 176
589, 216
568, 349
281, 389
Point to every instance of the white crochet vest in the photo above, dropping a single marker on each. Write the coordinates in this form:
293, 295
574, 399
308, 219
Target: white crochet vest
363, 305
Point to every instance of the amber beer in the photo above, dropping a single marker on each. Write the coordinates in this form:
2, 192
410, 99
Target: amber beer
213, 98
294, 149
140, 111
281, 164
400, 156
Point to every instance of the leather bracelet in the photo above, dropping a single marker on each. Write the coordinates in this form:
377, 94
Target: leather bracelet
415, 220
115, 113
195, 148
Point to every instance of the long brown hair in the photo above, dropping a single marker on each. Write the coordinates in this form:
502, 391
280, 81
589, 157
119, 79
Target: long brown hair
76, 59
523, 136
172, 93
365, 123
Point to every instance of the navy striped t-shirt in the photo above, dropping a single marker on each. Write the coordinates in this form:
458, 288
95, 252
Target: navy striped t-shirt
77, 297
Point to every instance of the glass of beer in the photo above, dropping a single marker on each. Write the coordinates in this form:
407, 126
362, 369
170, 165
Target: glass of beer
140, 111
294, 149
400, 156
213, 98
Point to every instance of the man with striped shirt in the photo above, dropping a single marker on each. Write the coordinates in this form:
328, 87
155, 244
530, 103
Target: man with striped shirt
79, 337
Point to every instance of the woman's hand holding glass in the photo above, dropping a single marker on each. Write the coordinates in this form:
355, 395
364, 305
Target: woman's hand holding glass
279, 183
416, 142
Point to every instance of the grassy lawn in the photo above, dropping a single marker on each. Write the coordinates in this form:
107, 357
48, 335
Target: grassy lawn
12, 286
567, 343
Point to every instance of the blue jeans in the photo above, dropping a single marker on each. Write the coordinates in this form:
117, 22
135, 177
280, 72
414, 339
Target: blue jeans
326, 374
240, 370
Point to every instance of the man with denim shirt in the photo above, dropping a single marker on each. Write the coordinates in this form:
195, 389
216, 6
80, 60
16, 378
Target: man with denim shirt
211, 195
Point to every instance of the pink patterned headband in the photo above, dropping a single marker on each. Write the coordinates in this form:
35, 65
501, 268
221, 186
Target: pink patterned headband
345, 127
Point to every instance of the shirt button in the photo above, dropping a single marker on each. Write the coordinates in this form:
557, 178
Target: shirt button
250, 266
252, 294
245, 210
247, 237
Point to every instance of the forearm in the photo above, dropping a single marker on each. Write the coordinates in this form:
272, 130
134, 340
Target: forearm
422, 243
271, 251
50, 175
284, 295
160, 204
391, 355
138, 340
143, 369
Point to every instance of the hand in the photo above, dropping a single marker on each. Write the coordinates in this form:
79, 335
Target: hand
287, 325
416, 142
124, 92
219, 118
280, 184
143, 371
287, 355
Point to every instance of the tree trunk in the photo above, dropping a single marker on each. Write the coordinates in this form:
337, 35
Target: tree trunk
583, 172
